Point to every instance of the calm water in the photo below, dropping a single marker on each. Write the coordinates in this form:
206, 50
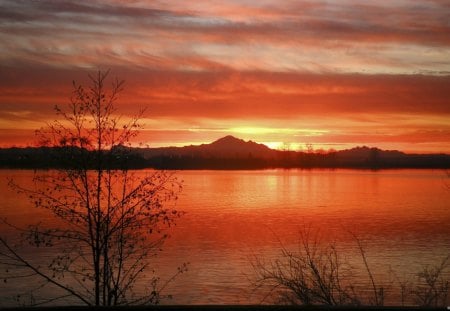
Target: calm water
402, 217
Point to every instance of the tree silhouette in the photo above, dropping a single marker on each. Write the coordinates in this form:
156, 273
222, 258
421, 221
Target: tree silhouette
109, 221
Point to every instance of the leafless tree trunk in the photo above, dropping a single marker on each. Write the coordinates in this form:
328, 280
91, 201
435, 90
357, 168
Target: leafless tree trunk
111, 221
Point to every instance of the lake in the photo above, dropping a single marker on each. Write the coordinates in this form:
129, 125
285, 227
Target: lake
402, 218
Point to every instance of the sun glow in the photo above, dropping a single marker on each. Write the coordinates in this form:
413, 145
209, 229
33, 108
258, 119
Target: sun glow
284, 146
285, 131
305, 147
257, 70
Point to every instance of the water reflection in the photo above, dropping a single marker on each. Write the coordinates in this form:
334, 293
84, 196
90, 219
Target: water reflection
402, 216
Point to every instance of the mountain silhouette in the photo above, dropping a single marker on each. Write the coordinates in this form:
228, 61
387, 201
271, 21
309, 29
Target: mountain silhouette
225, 147
227, 152
232, 146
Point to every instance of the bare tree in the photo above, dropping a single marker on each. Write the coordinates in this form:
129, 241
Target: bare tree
109, 222
316, 274
311, 275
432, 288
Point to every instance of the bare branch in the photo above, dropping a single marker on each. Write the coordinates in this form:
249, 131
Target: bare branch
110, 222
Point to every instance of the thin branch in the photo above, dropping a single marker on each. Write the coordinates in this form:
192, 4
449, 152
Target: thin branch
41, 274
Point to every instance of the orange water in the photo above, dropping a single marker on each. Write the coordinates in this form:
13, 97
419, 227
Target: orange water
401, 216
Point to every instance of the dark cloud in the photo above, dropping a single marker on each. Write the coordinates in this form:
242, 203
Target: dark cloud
25, 10
303, 22
230, 94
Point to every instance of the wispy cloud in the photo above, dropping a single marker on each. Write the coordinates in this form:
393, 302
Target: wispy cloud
401, 36
229, 93
358, 71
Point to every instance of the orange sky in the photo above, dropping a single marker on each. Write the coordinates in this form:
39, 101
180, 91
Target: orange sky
336, 74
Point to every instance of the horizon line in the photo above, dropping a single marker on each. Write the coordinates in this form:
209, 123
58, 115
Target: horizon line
266, 144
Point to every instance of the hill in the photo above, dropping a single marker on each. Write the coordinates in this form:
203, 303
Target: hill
226, 147
225, 153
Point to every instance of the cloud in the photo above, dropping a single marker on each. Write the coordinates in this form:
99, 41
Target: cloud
230, 94
340, 36
348, 67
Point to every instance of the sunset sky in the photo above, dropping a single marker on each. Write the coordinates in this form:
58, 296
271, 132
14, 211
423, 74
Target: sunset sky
336, 74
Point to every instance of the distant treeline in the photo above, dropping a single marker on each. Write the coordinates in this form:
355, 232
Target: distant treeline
68, 157
135, 158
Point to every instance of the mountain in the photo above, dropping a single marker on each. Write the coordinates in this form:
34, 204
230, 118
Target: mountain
225, 148
225, 153
232, 145
367, 152
233, 153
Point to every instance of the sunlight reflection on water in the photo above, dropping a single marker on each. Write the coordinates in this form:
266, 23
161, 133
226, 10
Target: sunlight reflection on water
402, 217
